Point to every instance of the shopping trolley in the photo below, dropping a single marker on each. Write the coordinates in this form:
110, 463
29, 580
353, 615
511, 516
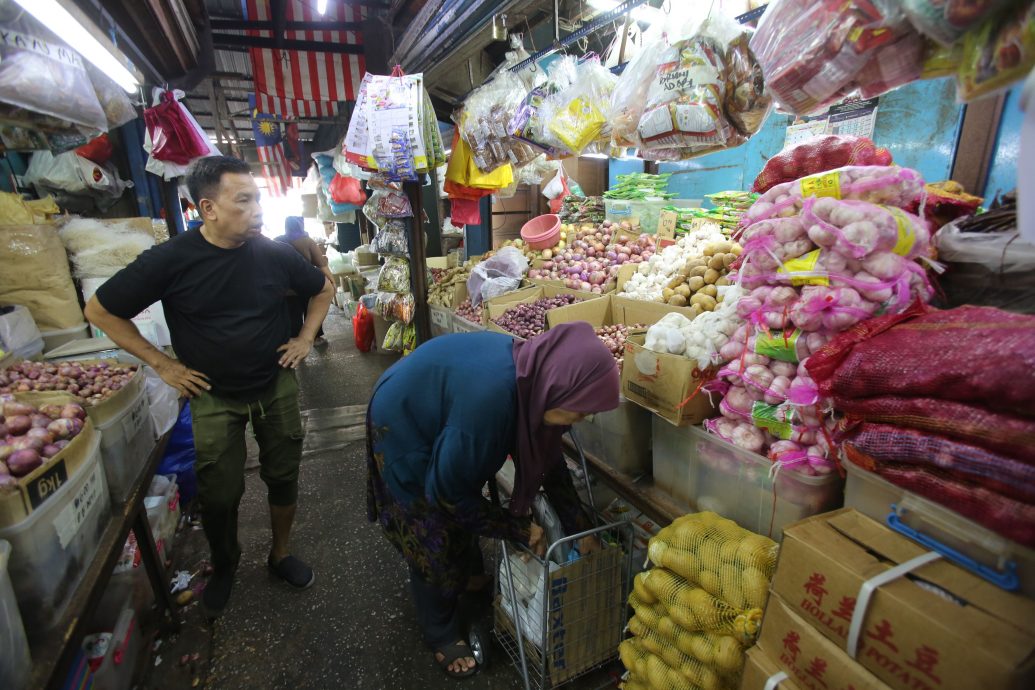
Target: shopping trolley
559, 622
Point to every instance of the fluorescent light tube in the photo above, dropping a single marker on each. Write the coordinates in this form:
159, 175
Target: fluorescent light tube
52, 15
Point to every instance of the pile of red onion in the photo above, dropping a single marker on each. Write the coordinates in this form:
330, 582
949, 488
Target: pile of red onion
592, 258
529, 320
93, 381
614, 338
30, 435
467, 311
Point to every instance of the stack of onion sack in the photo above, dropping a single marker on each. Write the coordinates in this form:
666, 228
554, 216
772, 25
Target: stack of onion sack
820, 254
29, 435
700, 605
942, 403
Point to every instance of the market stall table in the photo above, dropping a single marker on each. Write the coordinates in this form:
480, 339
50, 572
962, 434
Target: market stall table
54, 655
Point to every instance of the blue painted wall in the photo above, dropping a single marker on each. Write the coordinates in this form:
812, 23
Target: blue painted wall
1002, 175
919, 123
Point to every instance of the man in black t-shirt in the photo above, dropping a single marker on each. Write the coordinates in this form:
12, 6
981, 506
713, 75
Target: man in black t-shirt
223, 289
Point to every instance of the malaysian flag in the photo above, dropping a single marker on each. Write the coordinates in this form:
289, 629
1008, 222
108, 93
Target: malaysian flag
270, 145
314, 77
291, 109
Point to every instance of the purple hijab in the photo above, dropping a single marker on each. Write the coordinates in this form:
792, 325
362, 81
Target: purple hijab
569, 368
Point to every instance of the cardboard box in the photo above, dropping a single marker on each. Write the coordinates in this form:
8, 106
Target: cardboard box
612, 309
443, 262
811, 660
495, 307
584, 617
667, 385
972, 636
655, 309
759, 668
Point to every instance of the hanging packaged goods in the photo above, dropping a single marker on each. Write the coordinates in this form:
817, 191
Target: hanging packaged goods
393, 129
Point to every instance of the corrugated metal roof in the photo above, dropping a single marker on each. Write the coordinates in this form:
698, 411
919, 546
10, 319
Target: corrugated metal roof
225, 8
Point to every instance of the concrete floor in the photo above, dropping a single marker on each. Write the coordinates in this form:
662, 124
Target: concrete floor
354, 628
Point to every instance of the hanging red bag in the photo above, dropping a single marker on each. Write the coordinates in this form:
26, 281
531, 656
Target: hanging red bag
465, 212
173, 137
363, 328
347, 190
98, 150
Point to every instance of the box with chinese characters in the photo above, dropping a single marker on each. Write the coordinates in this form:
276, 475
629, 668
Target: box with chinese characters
810, 660
930, 626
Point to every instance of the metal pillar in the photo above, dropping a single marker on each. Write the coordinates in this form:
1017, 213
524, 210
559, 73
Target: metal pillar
418, 264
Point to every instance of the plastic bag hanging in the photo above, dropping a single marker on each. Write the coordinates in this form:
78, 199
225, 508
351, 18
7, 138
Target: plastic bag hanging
173, 137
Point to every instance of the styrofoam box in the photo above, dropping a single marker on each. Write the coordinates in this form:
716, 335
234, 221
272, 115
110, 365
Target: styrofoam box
620, 438
55, 545
55, 339
878, 498
15, 662
151, 321
704, 471
127, 440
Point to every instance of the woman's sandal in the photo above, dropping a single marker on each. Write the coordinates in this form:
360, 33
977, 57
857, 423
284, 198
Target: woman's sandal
454, 652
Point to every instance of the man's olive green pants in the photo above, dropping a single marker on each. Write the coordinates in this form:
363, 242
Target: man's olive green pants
219, 427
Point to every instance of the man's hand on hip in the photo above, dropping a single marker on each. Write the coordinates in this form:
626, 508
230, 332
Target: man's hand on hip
187, 381
294, 352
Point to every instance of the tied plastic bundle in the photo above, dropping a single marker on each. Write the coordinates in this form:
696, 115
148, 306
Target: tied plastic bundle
706, 93
101, 249
528, 123
947, 20
916, 371
576, 117
485, 120
817, 155
700, 605
815, 53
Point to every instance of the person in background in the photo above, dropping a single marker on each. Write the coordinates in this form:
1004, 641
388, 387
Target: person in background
441, 423
296, 236
222, 288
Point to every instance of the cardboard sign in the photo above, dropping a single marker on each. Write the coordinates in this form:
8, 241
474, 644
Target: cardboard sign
667, 225
972, 636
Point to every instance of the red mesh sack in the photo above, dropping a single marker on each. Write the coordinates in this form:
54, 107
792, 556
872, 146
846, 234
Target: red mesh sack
819, 155
1012, 519
960, 461
979, 356
1001, 433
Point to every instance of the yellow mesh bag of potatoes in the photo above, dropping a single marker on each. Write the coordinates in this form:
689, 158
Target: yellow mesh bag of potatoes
724, 559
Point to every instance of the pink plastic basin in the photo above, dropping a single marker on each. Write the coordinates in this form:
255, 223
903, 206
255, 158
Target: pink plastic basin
542, 232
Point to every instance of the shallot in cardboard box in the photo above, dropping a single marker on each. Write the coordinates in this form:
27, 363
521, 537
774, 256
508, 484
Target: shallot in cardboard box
940, 627
811, 660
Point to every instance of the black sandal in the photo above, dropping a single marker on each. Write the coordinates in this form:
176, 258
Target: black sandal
453, 652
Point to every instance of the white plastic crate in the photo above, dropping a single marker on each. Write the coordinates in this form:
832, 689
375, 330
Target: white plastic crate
705, 472
127, 439
55, 545
981, 550
15, 662
620, 438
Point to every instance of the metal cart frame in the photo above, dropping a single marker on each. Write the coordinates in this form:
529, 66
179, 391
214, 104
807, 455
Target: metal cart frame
582, 604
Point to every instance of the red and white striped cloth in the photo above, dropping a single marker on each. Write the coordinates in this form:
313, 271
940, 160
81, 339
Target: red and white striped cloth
290, 109
275, 169
305, 75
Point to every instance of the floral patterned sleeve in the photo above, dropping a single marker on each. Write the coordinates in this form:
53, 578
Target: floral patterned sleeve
560, 490
459, 470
